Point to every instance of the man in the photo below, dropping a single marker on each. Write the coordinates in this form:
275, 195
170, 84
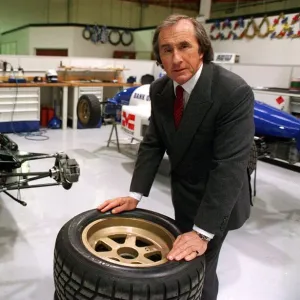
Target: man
202, 116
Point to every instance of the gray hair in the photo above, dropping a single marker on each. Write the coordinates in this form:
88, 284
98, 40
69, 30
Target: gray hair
204, 42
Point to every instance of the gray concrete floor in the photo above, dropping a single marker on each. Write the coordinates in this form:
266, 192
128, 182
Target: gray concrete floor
259, 261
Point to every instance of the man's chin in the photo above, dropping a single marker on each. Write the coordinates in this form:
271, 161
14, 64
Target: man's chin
181, 78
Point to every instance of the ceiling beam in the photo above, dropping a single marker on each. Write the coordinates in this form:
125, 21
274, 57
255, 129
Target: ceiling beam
185, 4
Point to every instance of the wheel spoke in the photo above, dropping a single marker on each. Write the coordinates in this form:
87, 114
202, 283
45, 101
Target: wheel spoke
130, 240
109, 242
144, 260
149, 250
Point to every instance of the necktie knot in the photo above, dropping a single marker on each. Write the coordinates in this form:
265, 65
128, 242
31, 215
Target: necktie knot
179, 91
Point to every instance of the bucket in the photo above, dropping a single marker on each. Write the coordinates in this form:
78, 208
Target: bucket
44, 116
50, 114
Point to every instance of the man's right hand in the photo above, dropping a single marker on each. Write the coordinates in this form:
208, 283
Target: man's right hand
118, 204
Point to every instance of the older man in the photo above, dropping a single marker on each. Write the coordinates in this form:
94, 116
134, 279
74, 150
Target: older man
202, 116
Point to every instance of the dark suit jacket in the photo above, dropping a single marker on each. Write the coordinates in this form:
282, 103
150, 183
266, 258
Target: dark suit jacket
208, 153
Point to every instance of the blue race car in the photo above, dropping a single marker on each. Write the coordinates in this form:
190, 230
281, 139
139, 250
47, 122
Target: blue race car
277, 133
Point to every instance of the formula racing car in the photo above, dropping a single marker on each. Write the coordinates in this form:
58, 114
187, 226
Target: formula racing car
15, 174
277, 133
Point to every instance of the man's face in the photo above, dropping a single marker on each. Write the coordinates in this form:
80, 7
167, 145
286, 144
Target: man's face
179, 51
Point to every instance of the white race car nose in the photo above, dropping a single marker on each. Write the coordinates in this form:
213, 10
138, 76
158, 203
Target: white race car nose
135, 120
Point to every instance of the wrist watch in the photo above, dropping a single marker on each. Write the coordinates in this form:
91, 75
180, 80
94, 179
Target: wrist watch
203, 237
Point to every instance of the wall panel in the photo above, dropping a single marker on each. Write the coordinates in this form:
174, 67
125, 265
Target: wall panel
108, 12
57, 11
221, 10
20, 38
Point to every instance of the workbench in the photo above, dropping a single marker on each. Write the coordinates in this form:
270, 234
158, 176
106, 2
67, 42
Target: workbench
24, 99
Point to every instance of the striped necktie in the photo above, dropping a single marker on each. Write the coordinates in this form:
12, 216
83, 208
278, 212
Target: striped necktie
178, 106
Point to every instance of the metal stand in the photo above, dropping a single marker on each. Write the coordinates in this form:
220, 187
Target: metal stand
114, 128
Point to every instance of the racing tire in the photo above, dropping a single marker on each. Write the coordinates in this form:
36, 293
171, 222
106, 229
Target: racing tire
126, 33
88, 111
80, 273
86, 33
110, 37
252, 163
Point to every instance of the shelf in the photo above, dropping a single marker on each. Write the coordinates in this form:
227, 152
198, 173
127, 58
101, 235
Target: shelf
91, 70
274, 91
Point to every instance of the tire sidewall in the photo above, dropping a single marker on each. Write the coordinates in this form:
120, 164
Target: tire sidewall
71, 234
95, 114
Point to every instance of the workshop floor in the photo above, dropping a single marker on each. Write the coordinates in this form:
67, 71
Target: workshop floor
259, 261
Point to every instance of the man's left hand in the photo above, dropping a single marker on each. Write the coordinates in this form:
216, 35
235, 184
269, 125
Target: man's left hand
187, 246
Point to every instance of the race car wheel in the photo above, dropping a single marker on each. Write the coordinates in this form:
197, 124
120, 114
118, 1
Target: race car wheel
252, 159
105, 256
88, 110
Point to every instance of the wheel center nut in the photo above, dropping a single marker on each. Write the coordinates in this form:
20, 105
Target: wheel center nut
127, 253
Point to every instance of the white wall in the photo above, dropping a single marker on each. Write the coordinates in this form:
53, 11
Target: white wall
143, 40
51, 37
278, 76
256, 51
65, 37
82, 47
18, 38
143, 43
283, 51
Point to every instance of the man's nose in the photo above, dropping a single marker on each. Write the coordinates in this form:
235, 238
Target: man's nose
177, 57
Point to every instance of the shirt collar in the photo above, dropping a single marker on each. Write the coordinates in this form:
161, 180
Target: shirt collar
190, 84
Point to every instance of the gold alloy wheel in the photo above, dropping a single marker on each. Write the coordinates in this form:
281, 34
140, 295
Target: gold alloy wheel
128, 241
84, 111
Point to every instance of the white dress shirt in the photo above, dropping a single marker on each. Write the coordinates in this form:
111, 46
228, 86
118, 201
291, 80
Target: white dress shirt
188, 87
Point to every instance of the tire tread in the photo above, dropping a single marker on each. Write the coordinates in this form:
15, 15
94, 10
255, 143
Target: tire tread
72, 289
165, 291
148, 292
113, 292
76, 278
95, 110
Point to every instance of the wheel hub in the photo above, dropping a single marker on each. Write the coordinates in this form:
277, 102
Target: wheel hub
84, 111
128, 241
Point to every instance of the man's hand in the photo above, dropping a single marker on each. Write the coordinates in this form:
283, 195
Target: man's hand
121, 204
187, 246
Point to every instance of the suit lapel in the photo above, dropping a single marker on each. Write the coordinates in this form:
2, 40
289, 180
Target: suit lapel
165, 105
197, 107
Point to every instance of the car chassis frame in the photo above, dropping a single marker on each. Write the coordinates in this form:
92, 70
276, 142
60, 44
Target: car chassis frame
65, 171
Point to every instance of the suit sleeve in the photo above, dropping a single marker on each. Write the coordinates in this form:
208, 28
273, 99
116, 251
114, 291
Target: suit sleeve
150, 154
233, 140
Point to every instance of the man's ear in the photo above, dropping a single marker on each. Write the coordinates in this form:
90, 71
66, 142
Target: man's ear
201, 54
159, 64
